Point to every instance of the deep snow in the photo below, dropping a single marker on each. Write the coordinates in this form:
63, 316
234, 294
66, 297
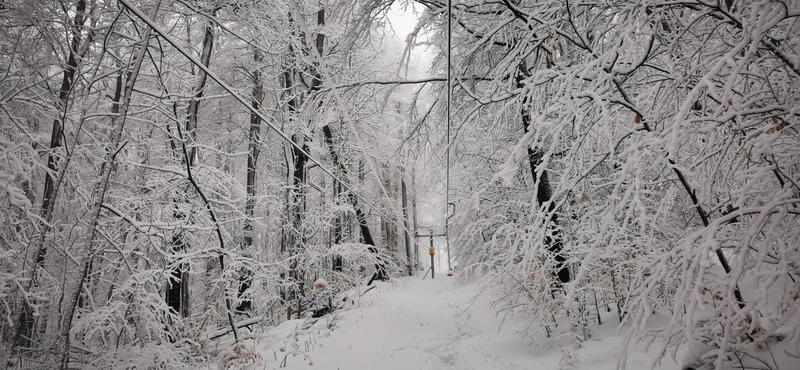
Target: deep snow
411, 323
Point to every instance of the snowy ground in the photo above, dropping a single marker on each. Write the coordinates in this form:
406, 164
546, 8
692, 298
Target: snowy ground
432, 324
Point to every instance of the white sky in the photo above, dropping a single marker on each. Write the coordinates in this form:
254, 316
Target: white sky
402, 20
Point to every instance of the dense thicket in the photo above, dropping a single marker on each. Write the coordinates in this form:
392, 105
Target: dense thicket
640, 157
651, 147
147, 212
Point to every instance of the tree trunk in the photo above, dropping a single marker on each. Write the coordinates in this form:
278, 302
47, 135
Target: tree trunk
296, 192
544, 192
178, 291
387, 224
337, 224
71, 292
24, 330
252, 161
194, 104
403, 190
380, 268
414, 213
298, 200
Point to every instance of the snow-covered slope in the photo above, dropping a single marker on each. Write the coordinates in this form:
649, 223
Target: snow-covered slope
433, 324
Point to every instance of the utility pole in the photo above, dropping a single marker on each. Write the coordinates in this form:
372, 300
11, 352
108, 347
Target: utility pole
449, 103
431, 250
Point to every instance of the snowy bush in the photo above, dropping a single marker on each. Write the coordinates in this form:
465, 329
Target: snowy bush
649, 147
568, 357
237, 358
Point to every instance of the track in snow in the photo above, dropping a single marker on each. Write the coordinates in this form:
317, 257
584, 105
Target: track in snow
432, 324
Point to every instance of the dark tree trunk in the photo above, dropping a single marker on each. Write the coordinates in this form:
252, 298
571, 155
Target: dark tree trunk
298, 200
387, 223
407, 239
194, 104
252, 161
178, 291
72, 292
414, 213
175, 285
296, 196
380, 268
544, 192
24, 330
337, 225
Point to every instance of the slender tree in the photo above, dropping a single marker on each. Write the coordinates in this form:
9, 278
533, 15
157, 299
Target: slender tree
53, 178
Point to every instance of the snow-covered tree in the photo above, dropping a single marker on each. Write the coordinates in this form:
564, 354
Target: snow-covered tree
647, 146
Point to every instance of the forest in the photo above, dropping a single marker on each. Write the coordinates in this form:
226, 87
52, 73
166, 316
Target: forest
178, 176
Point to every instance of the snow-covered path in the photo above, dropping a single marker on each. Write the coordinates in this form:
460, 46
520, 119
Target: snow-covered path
408, 324
432, 324
414, 324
